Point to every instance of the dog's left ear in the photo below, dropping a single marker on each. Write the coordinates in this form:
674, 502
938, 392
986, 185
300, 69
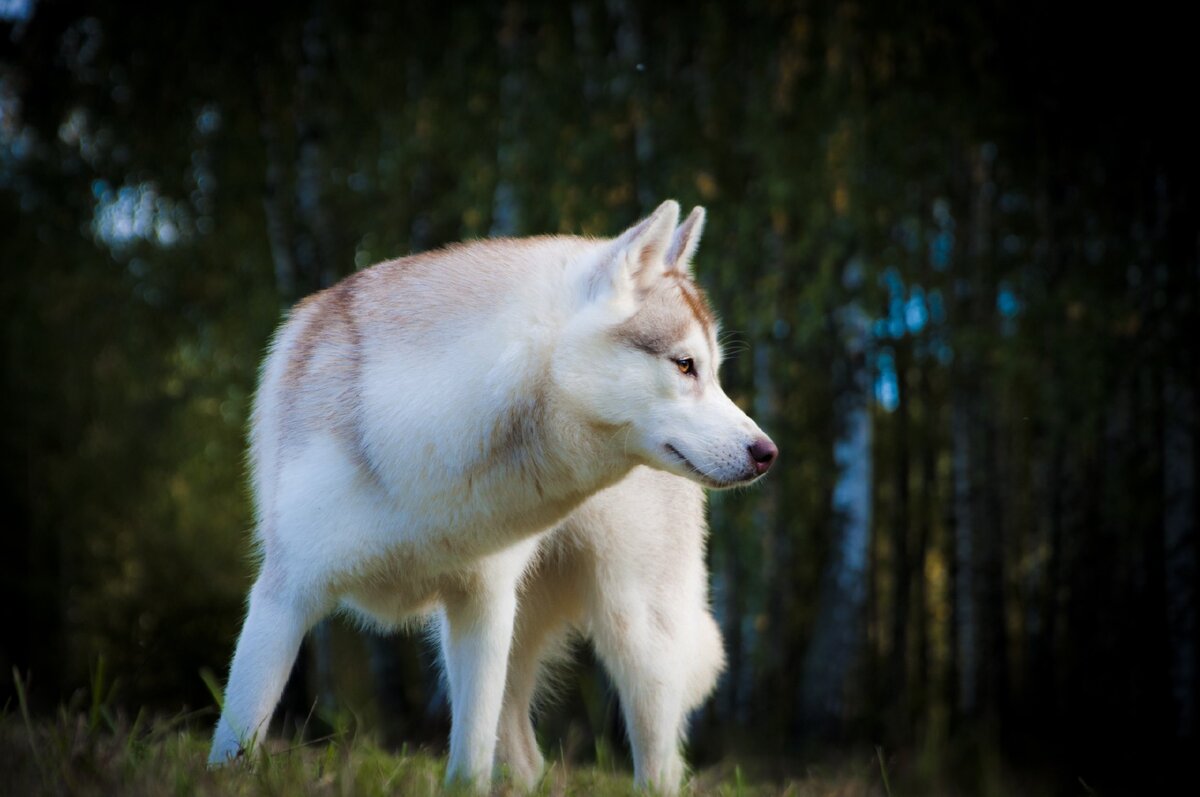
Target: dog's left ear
637, 256
684, 243
645, 245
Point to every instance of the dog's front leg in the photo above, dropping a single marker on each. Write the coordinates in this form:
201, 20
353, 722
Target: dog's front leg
640, 648
476, 636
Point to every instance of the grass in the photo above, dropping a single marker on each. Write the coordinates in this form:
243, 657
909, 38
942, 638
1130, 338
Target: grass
68, 755
90, 748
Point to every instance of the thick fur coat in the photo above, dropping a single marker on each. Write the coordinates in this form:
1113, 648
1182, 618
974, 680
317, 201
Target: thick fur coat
422, 425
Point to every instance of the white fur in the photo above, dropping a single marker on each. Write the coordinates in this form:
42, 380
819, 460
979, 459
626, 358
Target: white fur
420, 426
627, 570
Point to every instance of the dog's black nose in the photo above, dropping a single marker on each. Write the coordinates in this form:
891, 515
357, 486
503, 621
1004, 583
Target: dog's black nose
763, 452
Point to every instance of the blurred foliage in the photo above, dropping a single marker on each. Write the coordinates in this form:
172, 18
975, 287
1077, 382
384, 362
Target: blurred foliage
970, 216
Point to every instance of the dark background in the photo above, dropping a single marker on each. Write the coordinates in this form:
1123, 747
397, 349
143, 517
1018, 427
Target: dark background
956, 244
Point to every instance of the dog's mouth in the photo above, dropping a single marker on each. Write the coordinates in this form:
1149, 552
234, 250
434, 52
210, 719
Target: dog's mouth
701, 476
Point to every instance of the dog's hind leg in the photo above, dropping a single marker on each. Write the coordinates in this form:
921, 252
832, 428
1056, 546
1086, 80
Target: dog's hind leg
275, 624
517, 746
548, 602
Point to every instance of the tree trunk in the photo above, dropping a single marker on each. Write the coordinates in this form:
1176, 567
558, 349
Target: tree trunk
839, 632
506, 210
925, 521
1179, 540
991, 578
631, 83
902, 575
964, 560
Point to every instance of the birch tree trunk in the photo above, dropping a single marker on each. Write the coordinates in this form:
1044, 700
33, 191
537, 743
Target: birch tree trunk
902, 566
839, 633
631, 83
506, 211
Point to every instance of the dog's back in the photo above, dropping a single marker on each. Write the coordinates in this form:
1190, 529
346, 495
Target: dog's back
400, 368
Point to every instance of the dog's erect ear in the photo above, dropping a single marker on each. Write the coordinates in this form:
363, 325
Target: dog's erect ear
637, 255
685, 241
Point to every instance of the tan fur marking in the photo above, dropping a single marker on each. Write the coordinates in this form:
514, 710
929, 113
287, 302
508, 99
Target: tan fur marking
655, 340
349, 426
516, 439
659, 325
322, 378
305, 313
620, 624
697, 302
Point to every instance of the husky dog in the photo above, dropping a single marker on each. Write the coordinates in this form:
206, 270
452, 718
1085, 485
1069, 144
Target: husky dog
627, 570
419, 427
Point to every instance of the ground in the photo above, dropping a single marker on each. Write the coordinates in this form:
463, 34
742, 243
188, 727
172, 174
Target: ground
94, 753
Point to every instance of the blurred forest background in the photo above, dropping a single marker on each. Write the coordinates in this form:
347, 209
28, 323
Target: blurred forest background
959, 243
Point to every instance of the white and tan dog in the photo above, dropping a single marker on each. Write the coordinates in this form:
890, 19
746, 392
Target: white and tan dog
421, 425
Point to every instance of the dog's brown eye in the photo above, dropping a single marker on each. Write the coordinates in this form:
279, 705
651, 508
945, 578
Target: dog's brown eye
686, 366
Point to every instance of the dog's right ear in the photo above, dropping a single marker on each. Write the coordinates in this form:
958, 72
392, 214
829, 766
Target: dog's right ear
636, 255
685, 241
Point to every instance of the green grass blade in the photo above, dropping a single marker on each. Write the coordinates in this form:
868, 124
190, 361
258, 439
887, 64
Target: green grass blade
214, 687
887, 786
24, 704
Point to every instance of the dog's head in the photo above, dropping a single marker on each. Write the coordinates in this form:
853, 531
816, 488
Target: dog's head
640, 357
